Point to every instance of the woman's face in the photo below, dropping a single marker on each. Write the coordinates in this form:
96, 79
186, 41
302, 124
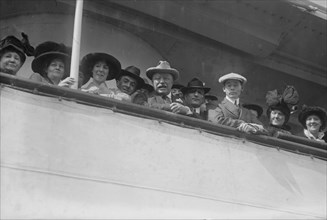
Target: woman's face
10, 62
100, 71
277, 118
56, 69
313, 123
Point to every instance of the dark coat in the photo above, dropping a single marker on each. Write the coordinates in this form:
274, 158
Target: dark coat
158, 102
231, 115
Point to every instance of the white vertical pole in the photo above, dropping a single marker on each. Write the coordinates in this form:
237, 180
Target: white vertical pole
76, 42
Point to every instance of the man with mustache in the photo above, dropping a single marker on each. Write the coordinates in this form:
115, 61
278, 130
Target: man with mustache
230, 112
163, 77
194, 96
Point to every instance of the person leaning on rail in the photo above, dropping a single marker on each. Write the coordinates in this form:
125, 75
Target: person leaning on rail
194, 94
279, 110
51, 64
128, 81
313, 119
141, 96
13, 53
100, 67
163, 77
230, 111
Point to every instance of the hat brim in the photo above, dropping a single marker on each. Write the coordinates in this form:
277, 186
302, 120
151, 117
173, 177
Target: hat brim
185, 89
313, 111
90, 60
139, 80
17, 49
151, 71
254, 107
38, 62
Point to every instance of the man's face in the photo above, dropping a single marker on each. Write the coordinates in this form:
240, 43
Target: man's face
127, 84
194, 97
162, 83
177, 92
233, 88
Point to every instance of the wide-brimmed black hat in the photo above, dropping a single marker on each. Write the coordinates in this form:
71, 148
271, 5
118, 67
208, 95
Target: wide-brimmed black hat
281, 106
195, 83
90, 60
23, 46
48, 51
313, 110
163, 67
133, 72
254, 107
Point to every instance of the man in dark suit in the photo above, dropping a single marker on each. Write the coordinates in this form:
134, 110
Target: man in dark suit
194, 96
230, 112
163, 77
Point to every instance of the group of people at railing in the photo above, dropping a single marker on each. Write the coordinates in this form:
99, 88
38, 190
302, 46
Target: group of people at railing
51, 66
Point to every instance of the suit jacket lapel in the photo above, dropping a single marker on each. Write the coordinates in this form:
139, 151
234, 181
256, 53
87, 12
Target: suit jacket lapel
231, 108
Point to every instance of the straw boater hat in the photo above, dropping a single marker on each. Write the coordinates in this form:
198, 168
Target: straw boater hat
195, 83
22, 47
48, 51
254, 107
163, 67
235, 76
313, 110
133, 72
90, 59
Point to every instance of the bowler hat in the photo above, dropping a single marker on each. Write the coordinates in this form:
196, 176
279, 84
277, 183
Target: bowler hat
89, 60
195, 83
21, 46
163, 67
133, 72
48, 51
313, 110
254, 107
235, 76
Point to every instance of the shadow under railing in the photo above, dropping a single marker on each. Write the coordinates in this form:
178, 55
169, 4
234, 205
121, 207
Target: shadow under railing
287, 142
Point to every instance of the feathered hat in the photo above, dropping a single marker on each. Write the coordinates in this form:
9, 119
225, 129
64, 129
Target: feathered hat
286, 102
48, 51
22, 46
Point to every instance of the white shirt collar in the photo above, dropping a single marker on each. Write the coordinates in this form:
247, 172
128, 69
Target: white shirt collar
233, 101
311, 137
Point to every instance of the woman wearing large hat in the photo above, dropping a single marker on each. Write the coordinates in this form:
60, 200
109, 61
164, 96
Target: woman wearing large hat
51, 64
313, 119
13, 53
100, 67
279, 110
